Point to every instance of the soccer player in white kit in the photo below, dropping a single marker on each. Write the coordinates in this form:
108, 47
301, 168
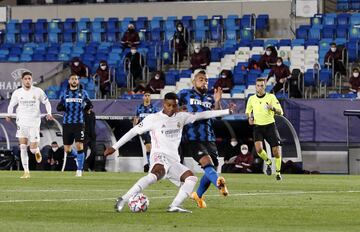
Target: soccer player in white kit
165, 130
28, 119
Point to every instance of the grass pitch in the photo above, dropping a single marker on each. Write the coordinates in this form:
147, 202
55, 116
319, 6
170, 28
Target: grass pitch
54, 201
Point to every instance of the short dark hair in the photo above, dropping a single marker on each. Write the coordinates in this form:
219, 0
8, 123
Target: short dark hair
171, 96
260, 79
53, 143
331, 44
73, 74
25, 74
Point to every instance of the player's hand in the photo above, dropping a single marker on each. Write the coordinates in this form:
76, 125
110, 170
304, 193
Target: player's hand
109, 151
269, 107
49, 117
8, 118
217, 94
232, 108
251, 121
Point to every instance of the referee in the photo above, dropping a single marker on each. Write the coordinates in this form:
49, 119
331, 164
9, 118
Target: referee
260, 111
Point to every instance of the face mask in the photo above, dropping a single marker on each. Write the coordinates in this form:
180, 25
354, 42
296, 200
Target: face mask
333, 49
197, 50
356, 74
54, 149
268, 53
233, 143
223, 76
278, 64
133, 51
244, 149
103, 67
179, 28
157, 77
76, 63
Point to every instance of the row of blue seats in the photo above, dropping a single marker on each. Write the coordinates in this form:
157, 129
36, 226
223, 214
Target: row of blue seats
327, 32
88, 84
335, 19
346, 5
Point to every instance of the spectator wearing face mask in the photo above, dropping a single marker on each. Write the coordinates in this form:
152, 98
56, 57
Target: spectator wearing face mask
198, 60
268, 59
244, 161
131, 37
355, 81
225, 81
334, 56
105, 77
281, 72
134, 62
79, 68
55, 157
157, 83
180, 41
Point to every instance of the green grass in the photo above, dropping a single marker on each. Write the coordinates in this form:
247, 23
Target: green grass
53, 201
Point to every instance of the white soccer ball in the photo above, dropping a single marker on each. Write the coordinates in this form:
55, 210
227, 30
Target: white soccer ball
138, 203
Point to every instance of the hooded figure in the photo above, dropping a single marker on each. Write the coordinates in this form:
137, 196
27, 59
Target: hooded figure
130, 37
268, 59
225, 81
180, 41
79, 68
157, 83
103, 72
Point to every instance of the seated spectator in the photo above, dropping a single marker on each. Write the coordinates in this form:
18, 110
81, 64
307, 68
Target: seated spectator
180, 41
131, 37
241, 163
157, 83
225, 81
281, 73
355, 81
334, 56
79, 68
55, 157
104, 75
268, 59
199, 59
134, 62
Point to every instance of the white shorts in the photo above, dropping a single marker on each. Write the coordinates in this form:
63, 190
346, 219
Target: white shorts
173, 168
30, 133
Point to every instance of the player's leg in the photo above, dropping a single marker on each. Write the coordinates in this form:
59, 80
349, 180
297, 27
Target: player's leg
258, 138
34, 137
80, 155
157, 173
273, 138
24, 157
68, 139
181, 174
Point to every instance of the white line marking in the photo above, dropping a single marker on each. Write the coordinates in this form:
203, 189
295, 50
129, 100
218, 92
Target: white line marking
166, 197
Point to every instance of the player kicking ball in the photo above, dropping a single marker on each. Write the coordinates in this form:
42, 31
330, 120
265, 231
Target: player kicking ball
165, 130
28, 98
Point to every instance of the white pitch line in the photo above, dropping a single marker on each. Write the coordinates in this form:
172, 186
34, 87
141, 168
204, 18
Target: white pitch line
79, 190
166, 197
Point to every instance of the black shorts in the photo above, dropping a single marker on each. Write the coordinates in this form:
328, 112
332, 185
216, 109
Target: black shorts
198, 149
269, 133
73, 132
146, 137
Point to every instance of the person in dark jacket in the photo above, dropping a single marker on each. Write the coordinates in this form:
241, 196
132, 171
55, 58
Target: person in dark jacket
180, 41
134, 62
268, 59
90, 137
130, 37
281, 73
354, 81
55, 157
225, 81
198, 60
105, 77
79, 68
157, 83
334, 56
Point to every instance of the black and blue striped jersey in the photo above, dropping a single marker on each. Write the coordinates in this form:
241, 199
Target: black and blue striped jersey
196, 102
142, 111
73, 103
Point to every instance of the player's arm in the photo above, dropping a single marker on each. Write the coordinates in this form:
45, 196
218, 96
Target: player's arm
88, 103
13, 102
144, 126
275, 106
61, 105
217, 98
192, 117
248, 111
45, 100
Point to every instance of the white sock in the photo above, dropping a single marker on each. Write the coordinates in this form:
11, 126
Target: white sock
185, 190
140, 185
24, 157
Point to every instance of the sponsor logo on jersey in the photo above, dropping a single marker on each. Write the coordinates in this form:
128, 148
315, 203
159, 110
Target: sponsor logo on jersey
78, 100
199, 102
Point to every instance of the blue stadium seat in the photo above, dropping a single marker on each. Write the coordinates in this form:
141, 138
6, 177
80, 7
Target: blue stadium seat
200, 35
12, 26
329, 19
310, 78
156, 22
97, 25
69, 25
328, 32
343, 19
301, 33
83, 24
316, 20
112, 36
246, 34
201, 22
262, 22
246, 22
354, 34
26, 26
68, 37
112, 25
325, 77
10, 38
53, 26
96, 37
314, 33
155, 34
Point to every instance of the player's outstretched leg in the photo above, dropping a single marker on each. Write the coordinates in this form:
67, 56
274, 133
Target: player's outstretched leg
198, 195
184, 192
24, 161
262, 154
215, 179
139, 186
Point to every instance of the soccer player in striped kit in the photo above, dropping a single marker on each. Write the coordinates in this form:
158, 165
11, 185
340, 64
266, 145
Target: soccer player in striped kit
73, 101
28, 120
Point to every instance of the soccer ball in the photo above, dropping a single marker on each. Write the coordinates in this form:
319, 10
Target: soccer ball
138, 203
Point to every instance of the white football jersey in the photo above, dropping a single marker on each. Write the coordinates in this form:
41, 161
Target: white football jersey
28, 110
166, 131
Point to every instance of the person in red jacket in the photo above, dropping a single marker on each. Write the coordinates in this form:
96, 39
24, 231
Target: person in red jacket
355, 81
268, 59
334, 56
157, 83
79, 68
130, 37
105, 77
198, 60
225, 81
244, 160
281, 73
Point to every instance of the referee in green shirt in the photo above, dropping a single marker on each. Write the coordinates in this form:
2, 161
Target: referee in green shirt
260, 110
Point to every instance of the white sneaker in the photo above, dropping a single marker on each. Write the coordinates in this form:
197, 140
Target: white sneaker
78, 173
177, 209
119, 204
